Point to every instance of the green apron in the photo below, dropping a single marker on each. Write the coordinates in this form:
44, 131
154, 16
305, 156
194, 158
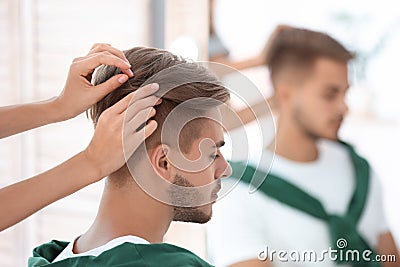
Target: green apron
125, 255
340, 226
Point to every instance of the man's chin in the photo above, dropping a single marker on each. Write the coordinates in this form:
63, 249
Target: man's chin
194, 220
333, 137
191, 215
330, 135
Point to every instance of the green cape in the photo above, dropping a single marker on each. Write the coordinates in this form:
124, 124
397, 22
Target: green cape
124, 255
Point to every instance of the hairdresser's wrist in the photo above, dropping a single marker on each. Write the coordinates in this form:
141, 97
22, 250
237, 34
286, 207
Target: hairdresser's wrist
51, 112
93, 170
58, 111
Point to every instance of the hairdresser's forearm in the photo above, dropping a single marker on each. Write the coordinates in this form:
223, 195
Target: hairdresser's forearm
19, 118
20, 200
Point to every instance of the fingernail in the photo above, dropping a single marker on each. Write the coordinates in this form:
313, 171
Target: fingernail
122, 79
130, 72
155, 86
158, 102
127, 62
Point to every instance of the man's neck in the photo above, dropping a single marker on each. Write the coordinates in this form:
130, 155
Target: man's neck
125, 212
293, 143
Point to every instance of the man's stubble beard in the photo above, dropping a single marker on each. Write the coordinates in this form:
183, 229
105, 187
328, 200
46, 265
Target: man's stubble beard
180, 195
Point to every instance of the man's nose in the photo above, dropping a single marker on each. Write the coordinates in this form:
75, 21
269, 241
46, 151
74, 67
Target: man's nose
228, 170
344, 108
225, 170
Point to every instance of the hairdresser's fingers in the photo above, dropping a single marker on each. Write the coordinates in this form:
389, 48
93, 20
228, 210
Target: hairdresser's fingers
138, 121
101, 47
107, 47
121, 105
140, 105
132, 141
87, 65
111, 84
145, 91
129, 100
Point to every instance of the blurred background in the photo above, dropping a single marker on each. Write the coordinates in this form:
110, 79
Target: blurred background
40, 38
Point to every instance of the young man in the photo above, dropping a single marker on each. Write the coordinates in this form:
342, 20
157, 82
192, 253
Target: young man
319, 193
174, 175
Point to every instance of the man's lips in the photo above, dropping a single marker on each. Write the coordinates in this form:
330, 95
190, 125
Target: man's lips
214, 194
337, 123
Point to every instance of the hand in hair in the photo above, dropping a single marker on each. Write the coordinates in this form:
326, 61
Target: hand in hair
111, 143
78, 84
78, 94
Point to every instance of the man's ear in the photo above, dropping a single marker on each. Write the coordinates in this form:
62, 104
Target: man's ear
160, 163
285, 92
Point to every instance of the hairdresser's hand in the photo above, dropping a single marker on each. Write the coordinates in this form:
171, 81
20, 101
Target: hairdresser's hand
116, 134
79, 94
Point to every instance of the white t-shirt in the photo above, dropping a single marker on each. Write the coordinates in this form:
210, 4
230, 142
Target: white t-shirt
68, 253
243, 224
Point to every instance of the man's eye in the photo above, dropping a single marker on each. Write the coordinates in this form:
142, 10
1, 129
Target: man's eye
329, 97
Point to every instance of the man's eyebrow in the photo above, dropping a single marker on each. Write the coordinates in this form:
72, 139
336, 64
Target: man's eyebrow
219, 144
335, 88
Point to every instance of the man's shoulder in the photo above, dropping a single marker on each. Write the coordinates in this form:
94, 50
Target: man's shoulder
127, 254
169, 254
